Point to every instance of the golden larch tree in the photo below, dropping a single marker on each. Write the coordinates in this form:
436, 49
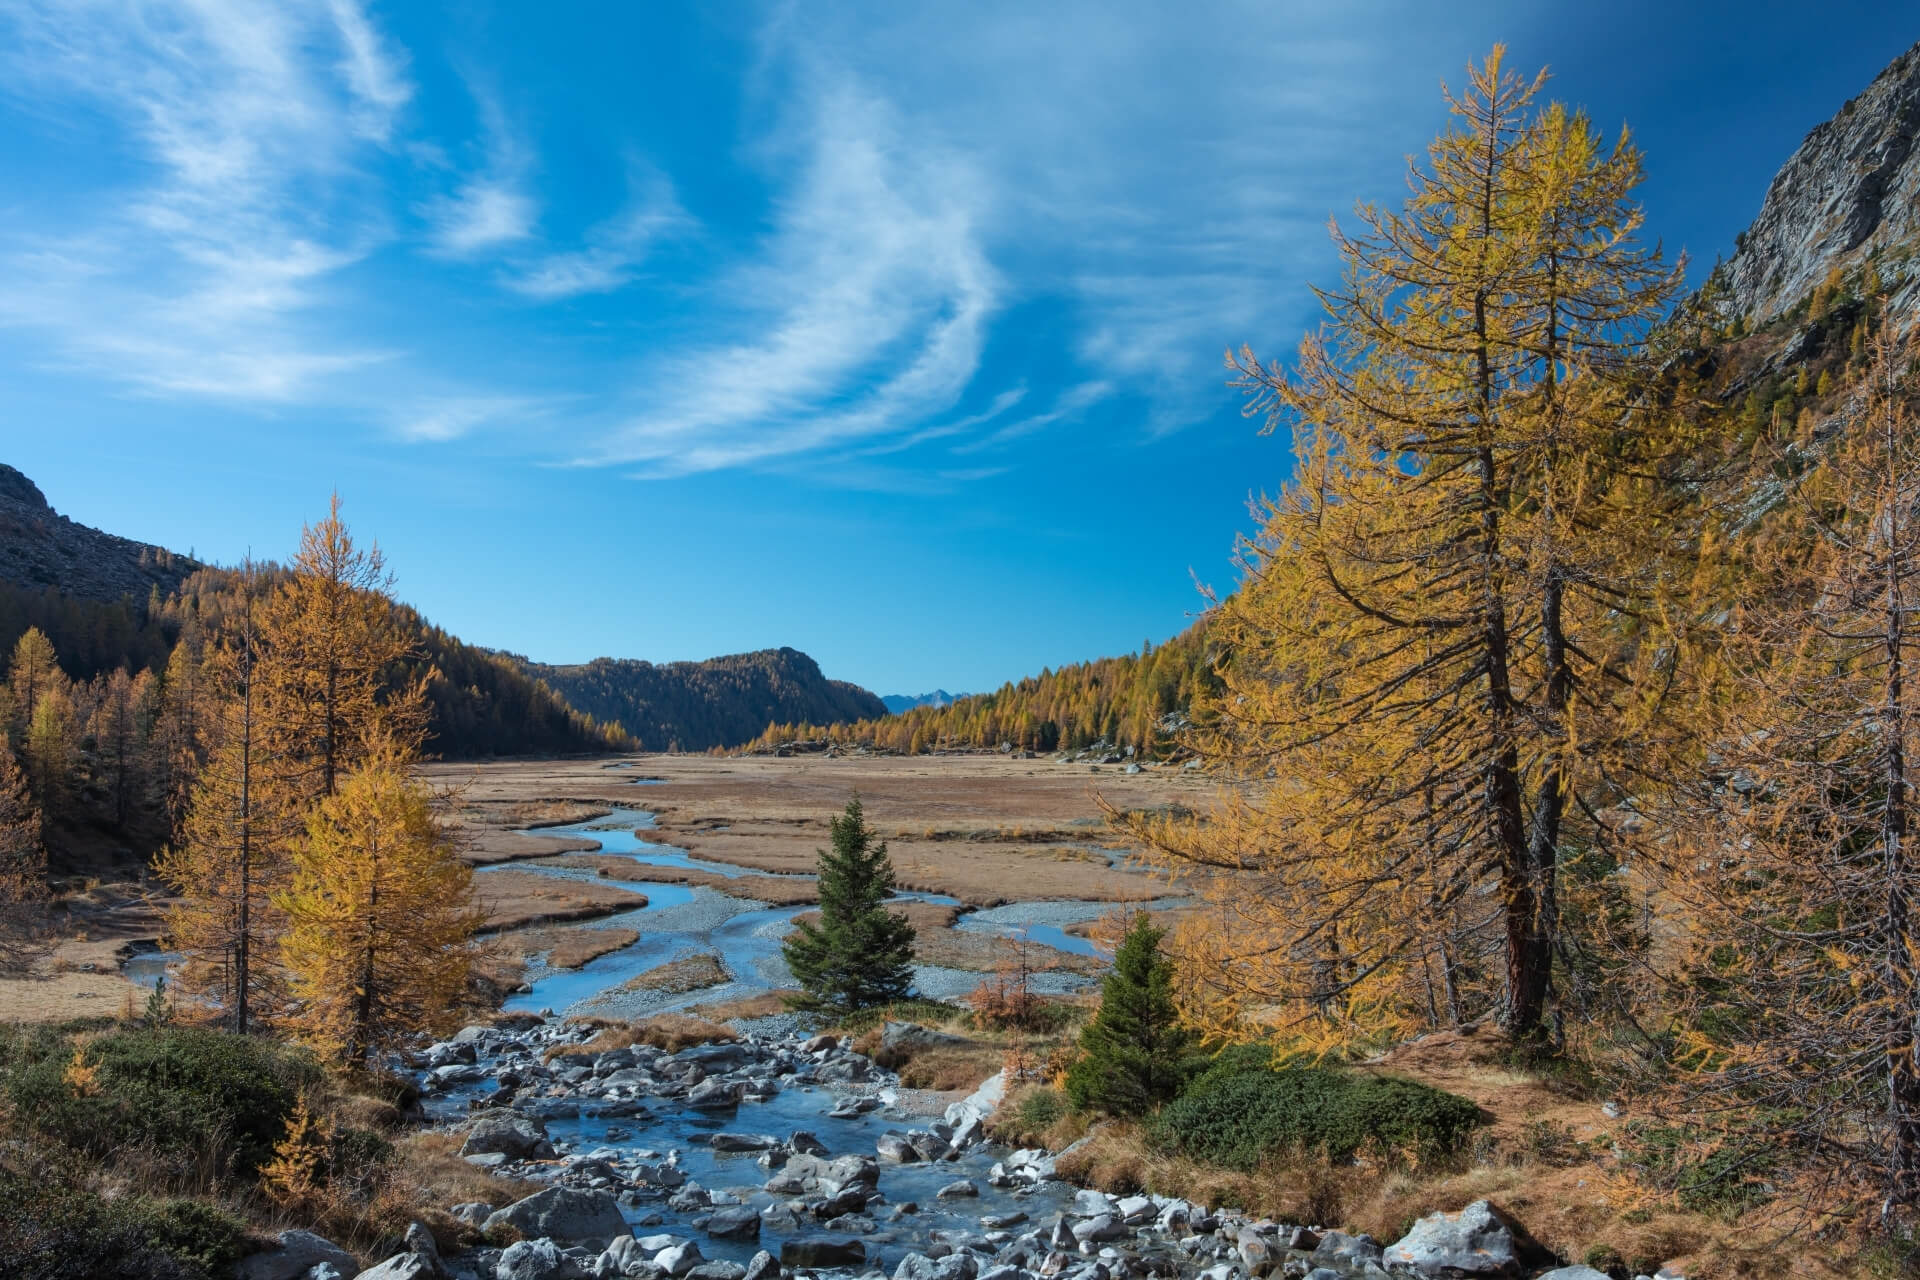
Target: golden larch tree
333, 679
380, 914
1430, 666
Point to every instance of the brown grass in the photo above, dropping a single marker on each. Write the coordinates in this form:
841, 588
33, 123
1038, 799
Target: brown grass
764, 1005
571, 948
775, 891
669, 1032
688, 973
515, 899
985, 823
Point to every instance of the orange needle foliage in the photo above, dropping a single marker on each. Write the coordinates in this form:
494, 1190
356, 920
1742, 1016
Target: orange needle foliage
379, 914
1437, 665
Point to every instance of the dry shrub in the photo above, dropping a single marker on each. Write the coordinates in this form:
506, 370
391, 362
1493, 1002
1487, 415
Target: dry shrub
951, 1067
765, 1005
1112, 1158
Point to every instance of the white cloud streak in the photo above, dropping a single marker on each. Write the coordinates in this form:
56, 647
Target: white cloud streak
872, 298
195, 279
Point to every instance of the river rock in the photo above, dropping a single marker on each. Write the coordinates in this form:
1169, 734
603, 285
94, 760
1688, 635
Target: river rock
896, 1148
1573, 1273
298, 1252
738, 1223
511, 1134
763, 1265
743, 1142
1337, 1248
1090, 1204
718, 1269
804, 1143
531, 1260
565, 1215
850, 1171
1479, 1240
961, 1190
403, 1266
715, 1095
1100, 1230
822, 1251
677, 1260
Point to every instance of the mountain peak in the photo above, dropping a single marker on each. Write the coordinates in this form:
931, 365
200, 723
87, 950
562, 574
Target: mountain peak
16, 488
1851, 189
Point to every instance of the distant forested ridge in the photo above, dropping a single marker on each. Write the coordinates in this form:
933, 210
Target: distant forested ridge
1135, 700
696, 706
110, 603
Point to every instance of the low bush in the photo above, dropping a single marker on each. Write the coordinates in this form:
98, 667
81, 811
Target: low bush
52, 1230
204, 1100
1242, 1111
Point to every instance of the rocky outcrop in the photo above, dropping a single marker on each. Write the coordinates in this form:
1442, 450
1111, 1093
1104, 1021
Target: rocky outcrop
40, 548
1851, 190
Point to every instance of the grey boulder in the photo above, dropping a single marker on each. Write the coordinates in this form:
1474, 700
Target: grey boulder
403, 1266
1477, 1241
531, 1260
298, 1253
678, 1259
566, 1215
741, 1222
512, 1134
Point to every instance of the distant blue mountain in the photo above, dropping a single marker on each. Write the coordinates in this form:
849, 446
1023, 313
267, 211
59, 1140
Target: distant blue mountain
898, 702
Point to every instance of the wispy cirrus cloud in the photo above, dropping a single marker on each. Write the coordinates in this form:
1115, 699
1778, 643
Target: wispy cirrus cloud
872, 294
197, 276
493, 206
614, 250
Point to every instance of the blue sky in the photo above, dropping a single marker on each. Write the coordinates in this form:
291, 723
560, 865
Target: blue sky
890, 332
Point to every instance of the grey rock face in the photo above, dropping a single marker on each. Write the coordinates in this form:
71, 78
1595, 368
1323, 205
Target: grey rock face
299, 1252
565, 1215
1477, 1241
1852, 187
1339, 1248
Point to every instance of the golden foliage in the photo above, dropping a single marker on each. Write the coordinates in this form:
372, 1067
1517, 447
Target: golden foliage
296, 1176
379, 914
332, 642
1428, 689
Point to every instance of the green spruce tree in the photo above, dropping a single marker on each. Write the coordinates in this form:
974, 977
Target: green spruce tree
1134, 1055
859, 954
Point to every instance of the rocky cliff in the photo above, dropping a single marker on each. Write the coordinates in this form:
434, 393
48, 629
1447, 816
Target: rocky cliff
1850, 194
41, 548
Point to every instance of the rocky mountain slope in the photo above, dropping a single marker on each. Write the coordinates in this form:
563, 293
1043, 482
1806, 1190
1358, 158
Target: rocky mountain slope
1851, 192
722, 702
41, 548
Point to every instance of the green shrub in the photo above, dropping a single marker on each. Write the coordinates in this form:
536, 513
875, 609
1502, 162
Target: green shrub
54, 1231
216, 1100
193, 1233
1718, 1171
1241, 1111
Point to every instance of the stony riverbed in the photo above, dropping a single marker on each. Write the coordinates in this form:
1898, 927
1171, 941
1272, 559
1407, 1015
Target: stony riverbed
776, 1156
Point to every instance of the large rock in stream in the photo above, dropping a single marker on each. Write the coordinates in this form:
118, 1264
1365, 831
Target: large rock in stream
564, 1214
512, 1134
